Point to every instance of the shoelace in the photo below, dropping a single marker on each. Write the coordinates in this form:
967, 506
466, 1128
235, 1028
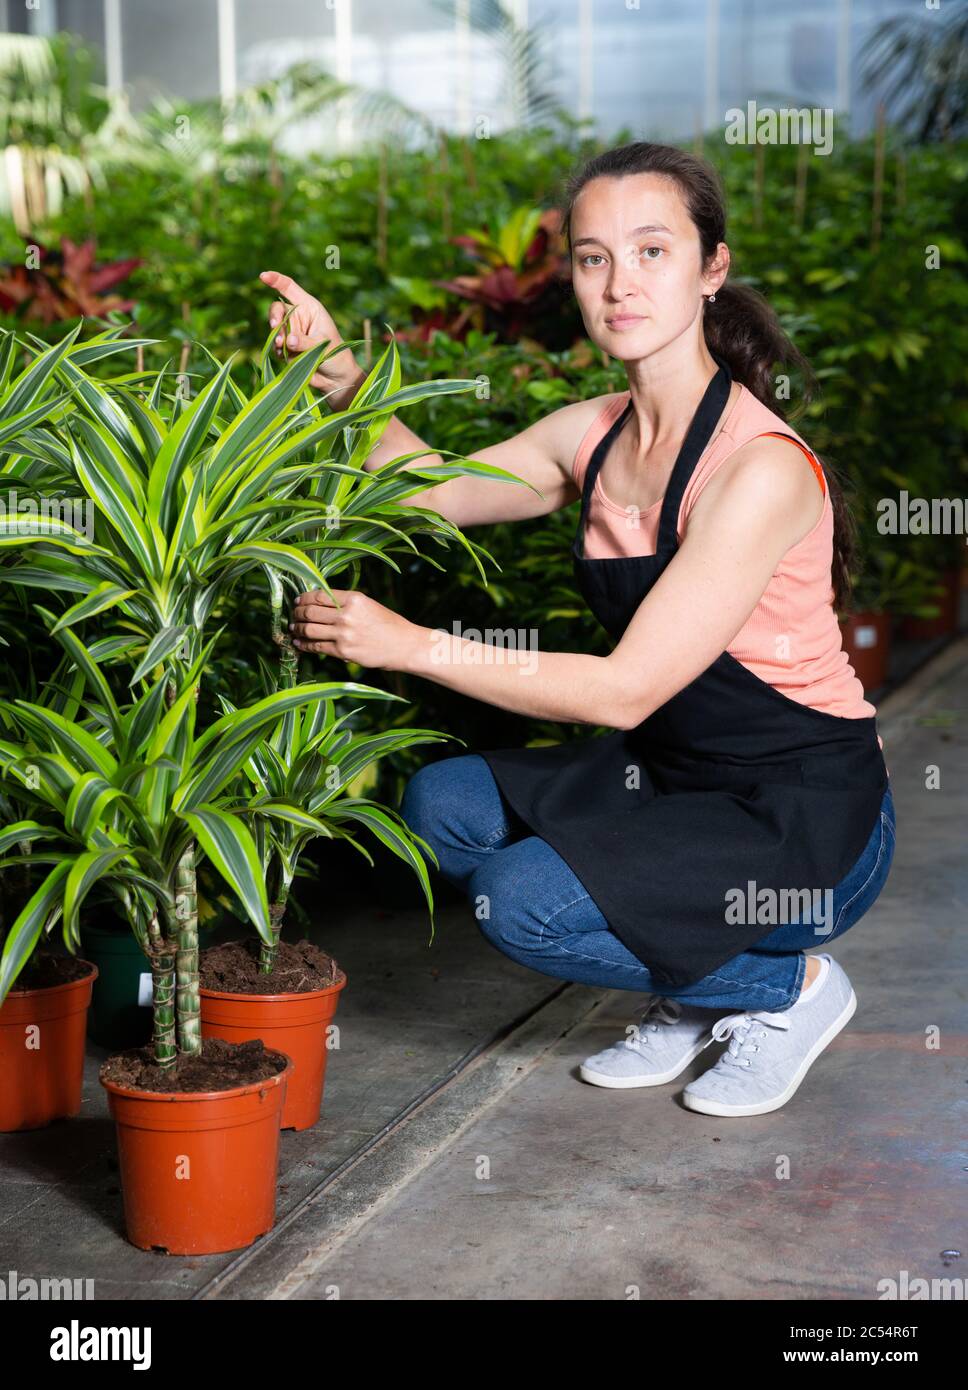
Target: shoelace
658, 1010
741, 1029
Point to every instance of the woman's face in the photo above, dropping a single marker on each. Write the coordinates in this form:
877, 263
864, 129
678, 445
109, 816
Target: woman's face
636, 264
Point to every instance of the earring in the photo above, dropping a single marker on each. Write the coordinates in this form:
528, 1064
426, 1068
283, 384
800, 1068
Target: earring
711, 298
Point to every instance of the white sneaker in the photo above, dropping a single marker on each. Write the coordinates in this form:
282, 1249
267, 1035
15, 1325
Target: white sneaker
668, 1037
769, 1054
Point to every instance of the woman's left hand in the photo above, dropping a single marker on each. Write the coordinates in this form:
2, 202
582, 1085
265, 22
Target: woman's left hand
359, 630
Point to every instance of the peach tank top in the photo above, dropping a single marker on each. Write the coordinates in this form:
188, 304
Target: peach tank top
792, 639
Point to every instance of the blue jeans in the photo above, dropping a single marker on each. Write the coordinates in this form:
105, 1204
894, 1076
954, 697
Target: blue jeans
532, 907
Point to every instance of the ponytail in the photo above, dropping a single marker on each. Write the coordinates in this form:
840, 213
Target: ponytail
740, 327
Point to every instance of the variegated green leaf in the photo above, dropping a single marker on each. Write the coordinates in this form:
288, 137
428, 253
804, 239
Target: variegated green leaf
96, 349
284, 557
125, 513
25, 932
102, 407
292, 815
67, 737
103, 597
233, 727
264, 411
168, 640
394, 833
229, 845
23, 832
150, 424
181, 446
84, 873
14, 428
142, 718
28, 386
8, 347
87, 804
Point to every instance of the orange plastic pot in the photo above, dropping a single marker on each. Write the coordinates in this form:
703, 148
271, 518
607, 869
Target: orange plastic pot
42, 1034
295, 1024
198, 1168
867, 642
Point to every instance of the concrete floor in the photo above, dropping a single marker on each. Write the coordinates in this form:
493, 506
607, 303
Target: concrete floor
461, 1157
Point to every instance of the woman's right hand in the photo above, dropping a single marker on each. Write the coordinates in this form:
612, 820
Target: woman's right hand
310, 324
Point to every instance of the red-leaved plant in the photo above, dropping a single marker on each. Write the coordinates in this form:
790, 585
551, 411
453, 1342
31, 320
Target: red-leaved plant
64, 284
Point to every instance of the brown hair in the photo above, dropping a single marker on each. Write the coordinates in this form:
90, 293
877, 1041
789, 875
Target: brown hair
740, 326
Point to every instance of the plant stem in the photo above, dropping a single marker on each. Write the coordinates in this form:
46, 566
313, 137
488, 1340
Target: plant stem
288, 655
288, 677
162, 959
277, 910
163, 1012
186, 935
186, 913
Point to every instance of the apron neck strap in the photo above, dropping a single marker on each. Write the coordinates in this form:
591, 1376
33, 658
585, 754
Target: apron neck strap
594, 464
698, 435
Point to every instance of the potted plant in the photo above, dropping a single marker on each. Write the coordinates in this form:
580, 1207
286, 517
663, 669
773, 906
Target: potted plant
43, 1023
133, 790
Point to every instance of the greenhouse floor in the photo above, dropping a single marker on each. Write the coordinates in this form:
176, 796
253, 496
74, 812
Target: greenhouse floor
461, 1157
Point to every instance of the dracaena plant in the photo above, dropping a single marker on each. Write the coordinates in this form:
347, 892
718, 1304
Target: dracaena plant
188, 496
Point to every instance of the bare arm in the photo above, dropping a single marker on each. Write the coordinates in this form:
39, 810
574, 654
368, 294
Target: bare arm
541, 455
761, 502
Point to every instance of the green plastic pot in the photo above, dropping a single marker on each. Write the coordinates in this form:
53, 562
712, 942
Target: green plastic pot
115, 1019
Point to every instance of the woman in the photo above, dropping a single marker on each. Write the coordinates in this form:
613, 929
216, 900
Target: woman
740, 813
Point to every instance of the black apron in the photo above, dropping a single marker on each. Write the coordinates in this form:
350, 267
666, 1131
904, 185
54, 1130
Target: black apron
730, 787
